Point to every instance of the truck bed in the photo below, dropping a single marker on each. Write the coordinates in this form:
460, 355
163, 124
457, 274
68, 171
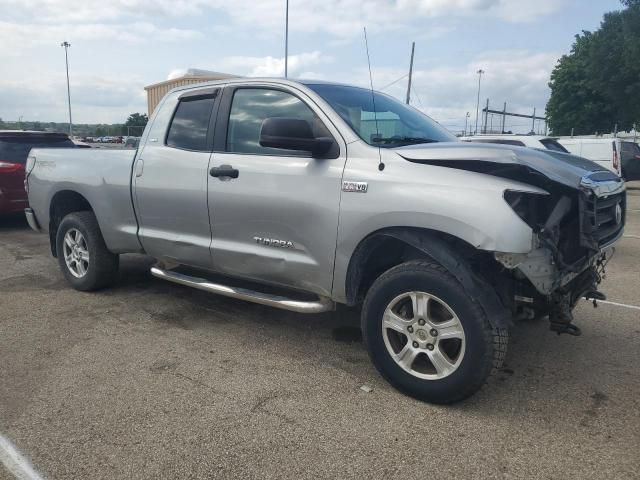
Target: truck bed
101, 176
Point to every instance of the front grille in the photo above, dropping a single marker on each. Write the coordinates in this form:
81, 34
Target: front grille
603, 219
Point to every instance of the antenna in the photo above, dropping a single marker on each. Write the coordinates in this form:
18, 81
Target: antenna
413, 49
373, 100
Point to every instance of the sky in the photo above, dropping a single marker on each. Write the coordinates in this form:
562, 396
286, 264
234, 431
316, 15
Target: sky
119, 46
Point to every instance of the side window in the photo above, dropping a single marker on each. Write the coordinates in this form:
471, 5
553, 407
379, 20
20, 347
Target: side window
251, 106
190, 123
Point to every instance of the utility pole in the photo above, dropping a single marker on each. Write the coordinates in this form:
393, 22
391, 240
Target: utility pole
479, 72
413, 48
286, 41
66, 46
533, 121
504, 116
486, 117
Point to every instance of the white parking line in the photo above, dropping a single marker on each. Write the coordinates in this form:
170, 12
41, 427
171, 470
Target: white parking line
15, 462
631, 236
632, 307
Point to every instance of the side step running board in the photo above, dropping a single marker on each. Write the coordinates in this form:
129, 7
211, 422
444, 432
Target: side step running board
323, 304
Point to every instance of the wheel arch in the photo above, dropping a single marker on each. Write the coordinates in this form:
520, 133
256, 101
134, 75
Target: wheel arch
63, 203
388, 247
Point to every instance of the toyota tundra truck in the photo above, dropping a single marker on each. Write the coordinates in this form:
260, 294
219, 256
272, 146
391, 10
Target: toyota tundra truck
302, 195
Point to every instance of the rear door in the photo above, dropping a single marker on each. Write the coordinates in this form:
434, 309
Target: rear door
277, 220
171, 176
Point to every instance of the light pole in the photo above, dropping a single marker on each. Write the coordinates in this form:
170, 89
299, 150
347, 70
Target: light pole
66, 46
286, 40
479, 72
20, 122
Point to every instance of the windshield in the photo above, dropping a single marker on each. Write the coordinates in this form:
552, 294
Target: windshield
394, 123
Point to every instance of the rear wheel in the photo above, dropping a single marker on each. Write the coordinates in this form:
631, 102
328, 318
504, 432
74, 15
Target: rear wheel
426, 336
83, 257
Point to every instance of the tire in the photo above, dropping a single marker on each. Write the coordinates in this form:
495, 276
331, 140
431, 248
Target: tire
458, 332
92, 265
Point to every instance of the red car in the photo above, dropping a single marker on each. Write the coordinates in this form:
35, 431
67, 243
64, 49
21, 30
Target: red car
14, 149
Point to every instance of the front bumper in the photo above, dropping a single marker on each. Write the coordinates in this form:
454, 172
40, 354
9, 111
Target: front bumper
31, 219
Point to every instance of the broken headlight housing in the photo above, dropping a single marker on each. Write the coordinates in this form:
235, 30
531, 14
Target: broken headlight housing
532, 207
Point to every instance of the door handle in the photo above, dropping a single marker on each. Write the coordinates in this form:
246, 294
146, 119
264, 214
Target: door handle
224, 171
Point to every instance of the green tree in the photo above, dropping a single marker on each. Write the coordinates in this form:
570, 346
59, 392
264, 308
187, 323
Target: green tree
596, 85
137, 120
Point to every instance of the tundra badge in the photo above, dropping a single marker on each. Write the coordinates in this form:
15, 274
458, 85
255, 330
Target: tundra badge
273, 242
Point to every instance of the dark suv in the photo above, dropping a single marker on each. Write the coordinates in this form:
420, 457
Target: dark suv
630, 159
14, 149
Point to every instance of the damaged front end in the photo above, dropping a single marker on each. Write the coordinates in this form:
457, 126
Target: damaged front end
573, 233
576, 216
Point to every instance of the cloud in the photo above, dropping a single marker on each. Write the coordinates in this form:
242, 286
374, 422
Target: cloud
273, 66
341, 18
14, 37
267, 66
445, 93
93, 99
346, 18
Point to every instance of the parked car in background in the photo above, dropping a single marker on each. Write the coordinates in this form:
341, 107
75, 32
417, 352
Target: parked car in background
630, 160
531, 141
14, 149
604, 151
131, 142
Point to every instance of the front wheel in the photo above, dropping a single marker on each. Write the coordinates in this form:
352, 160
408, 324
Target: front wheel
83, 257
426, 336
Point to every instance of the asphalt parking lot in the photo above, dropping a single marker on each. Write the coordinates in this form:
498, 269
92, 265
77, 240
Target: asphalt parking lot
154, 380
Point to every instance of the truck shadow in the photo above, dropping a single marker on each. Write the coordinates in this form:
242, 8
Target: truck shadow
540, 368
13, 223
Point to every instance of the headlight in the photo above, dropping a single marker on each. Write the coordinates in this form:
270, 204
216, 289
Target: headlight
532, 208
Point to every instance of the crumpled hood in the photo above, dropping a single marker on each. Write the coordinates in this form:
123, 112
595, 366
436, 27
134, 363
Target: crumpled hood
487, 158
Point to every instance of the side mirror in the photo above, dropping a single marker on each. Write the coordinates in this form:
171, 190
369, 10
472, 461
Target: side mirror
293, 134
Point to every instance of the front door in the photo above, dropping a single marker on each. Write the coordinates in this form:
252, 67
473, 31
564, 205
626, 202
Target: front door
277, 220
170, 180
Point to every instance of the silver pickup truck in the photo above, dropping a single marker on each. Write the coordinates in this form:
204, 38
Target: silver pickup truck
304, 195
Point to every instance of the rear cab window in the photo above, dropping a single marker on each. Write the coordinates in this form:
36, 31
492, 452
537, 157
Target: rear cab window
189, 126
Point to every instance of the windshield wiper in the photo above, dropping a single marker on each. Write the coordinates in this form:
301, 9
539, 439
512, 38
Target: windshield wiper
403, 140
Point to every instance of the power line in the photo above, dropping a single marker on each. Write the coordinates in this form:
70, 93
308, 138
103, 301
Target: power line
417, 96
394, 82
